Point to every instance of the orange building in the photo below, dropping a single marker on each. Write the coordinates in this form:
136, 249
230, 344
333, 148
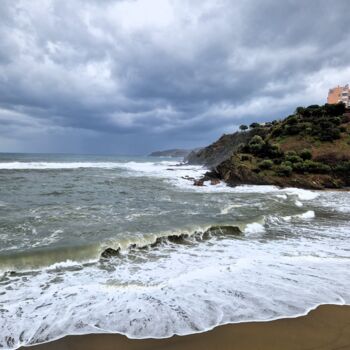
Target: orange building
339, 94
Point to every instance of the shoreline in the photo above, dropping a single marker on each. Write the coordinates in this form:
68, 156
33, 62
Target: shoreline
210, 175
325, 328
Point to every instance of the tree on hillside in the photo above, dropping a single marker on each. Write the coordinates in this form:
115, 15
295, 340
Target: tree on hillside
254, 125
243, 127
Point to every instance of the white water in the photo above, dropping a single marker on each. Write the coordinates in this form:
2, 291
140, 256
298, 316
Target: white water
180, 290
187, 288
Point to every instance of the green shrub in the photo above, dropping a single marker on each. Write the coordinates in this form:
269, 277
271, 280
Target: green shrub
265, 164
254, 125
306, 154
293, 129
256, 144
277, 131
336, 120
299, 167
343, 168
306, 113
330, 134
273, 150
243, 127
309, 166
292, 120
255, 148
284, 170
294, 159
300, 110
334, 109
277, 161
256, 140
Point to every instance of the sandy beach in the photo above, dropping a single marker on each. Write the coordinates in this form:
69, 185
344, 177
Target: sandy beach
325, 328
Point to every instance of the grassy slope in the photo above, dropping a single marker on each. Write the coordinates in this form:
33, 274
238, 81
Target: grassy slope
324, 131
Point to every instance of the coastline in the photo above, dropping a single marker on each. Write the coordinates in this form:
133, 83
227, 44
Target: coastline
244, 179
325, 328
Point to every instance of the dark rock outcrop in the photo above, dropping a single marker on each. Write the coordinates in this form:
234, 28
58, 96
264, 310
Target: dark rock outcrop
234, 173
224, 230
214, 181
199, 182
110, 252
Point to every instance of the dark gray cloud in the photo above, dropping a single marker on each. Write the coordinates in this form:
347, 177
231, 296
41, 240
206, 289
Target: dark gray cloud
133, 76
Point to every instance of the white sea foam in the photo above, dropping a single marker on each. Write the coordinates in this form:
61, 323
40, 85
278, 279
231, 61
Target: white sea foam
254, 228
188, 288
302, 194
228, 208
178, 175
49, 239
63, 264
307, 215
56, 165
282, 196
179, 290
335, 201
310, 214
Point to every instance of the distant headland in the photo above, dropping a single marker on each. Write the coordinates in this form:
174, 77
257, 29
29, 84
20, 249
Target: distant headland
171, 153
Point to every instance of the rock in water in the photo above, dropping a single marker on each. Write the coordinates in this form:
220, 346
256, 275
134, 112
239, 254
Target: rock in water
199, 182
109, 252
224, 230
180, 239
214, 181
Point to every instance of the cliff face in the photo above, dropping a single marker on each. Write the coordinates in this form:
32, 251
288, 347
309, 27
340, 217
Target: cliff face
222, 149
309, 149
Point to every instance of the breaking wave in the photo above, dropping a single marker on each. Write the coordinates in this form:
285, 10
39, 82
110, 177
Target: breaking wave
117, 247
143, 252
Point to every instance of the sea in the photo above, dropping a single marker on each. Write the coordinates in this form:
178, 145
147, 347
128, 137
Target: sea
59, 213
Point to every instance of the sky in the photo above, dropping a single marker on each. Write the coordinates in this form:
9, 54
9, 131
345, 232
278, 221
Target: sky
134, 76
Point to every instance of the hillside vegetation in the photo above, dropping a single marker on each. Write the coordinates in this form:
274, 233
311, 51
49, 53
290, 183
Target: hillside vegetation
309, 149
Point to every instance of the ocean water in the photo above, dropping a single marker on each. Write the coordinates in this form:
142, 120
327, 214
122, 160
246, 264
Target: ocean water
58, 213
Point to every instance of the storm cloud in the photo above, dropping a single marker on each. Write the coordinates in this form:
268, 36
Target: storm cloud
134, 76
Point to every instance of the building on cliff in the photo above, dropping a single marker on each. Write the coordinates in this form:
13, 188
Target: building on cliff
339, 94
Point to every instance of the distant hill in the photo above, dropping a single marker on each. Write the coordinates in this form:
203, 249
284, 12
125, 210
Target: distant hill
308, 149
171, 153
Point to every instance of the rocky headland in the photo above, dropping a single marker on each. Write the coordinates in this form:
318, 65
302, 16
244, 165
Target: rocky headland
308, 149
171, 153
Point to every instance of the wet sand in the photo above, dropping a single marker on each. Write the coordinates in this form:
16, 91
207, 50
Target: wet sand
326, 328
